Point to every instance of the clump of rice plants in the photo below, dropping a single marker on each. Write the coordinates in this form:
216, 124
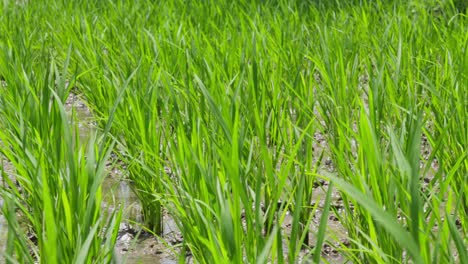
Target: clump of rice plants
52, 198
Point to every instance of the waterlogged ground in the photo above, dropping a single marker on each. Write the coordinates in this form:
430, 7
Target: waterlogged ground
134, 245
137, 246
3, 232
3, 224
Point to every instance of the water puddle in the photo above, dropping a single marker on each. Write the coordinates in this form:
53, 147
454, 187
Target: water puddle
131, 246
3, 233
7, 168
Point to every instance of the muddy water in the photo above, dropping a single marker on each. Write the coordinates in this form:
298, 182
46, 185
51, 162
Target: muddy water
130, 249
6, 166
3, 233
117, 191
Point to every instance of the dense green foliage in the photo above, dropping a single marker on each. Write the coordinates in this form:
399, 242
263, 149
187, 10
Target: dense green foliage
219, 108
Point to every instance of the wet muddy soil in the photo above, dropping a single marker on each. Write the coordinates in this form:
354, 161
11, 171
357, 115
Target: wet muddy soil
134, 245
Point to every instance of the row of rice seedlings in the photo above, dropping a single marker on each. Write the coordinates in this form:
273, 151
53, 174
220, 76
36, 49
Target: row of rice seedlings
448, 133
117, 83
52, 195
375, 137
234, 164
152, 120
271, 140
